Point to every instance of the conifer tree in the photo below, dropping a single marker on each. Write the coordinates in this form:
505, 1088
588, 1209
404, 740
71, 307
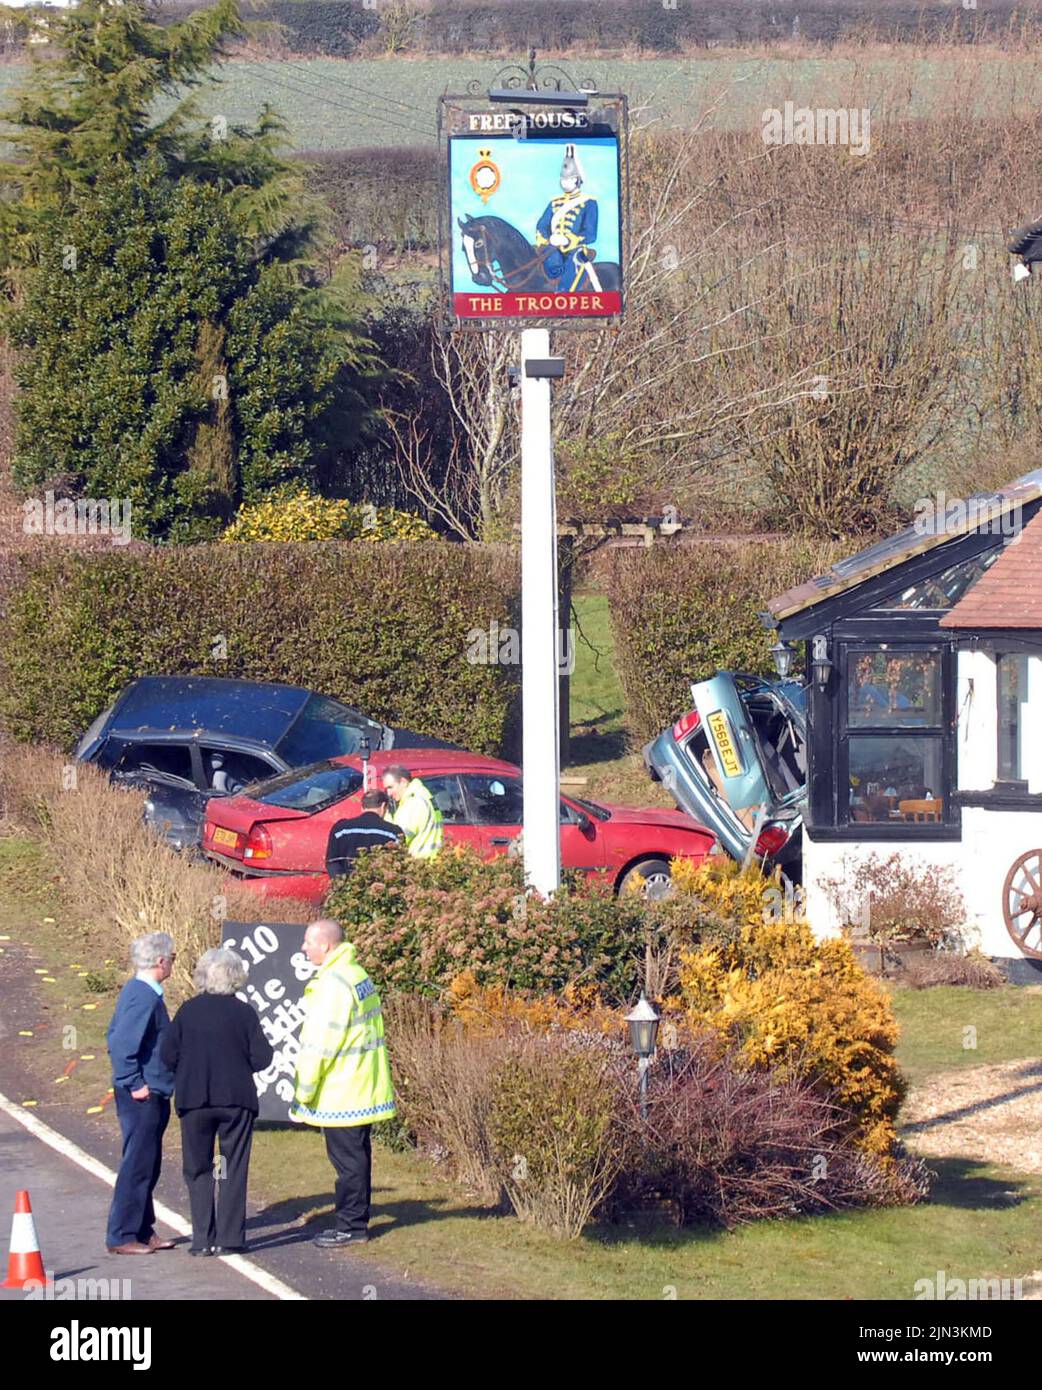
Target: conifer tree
176, 343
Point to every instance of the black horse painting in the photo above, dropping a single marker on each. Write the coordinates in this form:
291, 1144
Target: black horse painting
500, 257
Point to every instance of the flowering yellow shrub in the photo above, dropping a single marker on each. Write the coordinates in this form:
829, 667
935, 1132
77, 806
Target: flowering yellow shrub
723, 887
785, 1000
494, 1008
299, 515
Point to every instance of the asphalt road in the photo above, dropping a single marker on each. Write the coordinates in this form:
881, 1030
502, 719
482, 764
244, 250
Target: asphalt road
70, 1203
70, 1207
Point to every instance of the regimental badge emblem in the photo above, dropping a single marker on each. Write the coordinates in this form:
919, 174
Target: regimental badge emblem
485, 177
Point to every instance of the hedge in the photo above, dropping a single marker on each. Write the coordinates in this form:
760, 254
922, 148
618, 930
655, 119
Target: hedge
381, 627
384, 198
346, 28
681, 613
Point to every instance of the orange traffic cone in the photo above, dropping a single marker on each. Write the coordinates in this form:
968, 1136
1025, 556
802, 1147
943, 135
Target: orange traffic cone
25, 1263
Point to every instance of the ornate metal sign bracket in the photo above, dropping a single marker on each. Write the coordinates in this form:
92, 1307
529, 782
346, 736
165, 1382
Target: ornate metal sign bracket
537, 77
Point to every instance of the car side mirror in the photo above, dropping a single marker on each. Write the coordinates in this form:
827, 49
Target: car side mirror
584, 821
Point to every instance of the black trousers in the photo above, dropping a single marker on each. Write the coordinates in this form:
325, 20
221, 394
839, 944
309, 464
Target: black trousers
217, 1190
142, 1124
350, 1151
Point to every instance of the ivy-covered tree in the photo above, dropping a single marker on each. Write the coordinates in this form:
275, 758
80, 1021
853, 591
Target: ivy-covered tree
176, 343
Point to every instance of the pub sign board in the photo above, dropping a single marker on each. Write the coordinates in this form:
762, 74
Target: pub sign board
278, 973
535, 213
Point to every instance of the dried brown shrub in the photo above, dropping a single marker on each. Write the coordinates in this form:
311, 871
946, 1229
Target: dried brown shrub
972, 970
724, 1146
116, 877
895, 899
443, 1085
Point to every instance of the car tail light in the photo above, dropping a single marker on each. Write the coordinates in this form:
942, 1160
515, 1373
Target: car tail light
685, 724
258, 844
771, 839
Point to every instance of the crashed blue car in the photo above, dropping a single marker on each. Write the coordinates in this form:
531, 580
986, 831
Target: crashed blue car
737, 762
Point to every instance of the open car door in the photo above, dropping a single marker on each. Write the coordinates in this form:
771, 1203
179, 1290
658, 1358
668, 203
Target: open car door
733, 760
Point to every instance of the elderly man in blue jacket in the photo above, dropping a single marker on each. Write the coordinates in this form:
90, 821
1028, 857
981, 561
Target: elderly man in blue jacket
142, 1086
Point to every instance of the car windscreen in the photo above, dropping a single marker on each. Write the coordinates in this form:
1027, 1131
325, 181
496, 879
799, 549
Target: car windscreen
592, 808
87, 741
326, 729
306, 789
795, 693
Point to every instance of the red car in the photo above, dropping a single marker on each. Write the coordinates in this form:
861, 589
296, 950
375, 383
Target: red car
274, 833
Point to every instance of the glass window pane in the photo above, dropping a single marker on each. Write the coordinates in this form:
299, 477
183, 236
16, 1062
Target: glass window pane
896, 779
496, 800
1013, 695
893, 689
312, 789
325, 729
446, 794
946, 589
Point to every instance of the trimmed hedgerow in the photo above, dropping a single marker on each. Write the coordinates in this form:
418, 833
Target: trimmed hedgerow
679, 614
378, 197
347, 28
381, 627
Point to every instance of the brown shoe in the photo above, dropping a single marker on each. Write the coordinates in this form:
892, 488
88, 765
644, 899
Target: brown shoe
154, 1243
132, 1247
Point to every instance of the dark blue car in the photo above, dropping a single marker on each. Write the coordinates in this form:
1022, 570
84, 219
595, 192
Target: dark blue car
185, 739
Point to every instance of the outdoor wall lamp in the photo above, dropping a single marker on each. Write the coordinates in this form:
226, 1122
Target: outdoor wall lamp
783, 655
820, 665
643, 1022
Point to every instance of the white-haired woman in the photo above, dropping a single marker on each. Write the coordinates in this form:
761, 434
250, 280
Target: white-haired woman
213, 1046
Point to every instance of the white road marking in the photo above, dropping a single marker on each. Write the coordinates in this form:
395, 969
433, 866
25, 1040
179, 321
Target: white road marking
73, 1152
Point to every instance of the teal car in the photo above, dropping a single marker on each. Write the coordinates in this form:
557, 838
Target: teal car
737, 762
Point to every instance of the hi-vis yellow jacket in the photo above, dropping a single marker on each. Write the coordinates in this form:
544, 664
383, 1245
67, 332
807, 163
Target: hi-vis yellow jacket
417, 815
343, 1074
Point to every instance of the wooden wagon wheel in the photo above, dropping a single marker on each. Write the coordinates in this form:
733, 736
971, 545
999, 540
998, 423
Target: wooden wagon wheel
1022, 902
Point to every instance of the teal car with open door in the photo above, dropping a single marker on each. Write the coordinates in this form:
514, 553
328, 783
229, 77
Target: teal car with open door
737, 762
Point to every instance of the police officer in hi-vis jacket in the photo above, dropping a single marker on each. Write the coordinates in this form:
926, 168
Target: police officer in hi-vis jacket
343, 1081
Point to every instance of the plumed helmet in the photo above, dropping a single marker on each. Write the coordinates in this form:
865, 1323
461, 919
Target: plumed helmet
571, 168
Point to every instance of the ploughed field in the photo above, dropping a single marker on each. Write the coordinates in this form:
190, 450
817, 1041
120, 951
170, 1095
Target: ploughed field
331, 104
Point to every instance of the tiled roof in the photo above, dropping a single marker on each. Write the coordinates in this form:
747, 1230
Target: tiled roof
925, 535
1010, 593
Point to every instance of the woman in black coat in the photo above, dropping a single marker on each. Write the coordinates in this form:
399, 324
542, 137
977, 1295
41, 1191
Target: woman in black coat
213, 1046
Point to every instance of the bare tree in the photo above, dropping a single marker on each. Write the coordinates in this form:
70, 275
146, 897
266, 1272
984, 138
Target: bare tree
462, 481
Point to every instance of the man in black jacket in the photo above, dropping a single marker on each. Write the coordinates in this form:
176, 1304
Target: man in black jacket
366, 831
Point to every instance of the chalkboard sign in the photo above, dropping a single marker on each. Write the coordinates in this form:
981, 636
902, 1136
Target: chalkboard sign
278, 972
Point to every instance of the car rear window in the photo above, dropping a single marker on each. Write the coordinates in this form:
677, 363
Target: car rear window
326, 729
307, 789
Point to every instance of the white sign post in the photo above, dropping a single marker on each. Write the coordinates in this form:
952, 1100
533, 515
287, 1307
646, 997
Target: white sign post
531, 232
539, 622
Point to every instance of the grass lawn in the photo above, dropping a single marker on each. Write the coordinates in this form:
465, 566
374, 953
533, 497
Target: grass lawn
981, 1221
944, 1028
599, 738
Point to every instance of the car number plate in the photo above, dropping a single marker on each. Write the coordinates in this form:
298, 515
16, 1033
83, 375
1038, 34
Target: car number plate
730, 758
225, 837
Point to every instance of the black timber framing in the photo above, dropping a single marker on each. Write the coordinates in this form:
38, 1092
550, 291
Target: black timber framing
851, 619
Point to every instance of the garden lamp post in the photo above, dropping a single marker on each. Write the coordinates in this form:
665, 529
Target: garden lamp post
643, 1022
363, 751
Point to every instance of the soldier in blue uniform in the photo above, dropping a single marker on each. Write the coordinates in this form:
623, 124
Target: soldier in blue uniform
569, 226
